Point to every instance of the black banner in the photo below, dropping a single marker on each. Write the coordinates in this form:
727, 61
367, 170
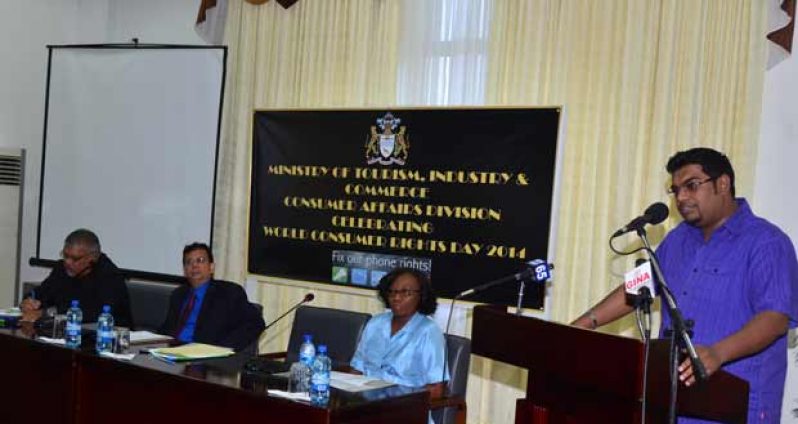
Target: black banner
342, 197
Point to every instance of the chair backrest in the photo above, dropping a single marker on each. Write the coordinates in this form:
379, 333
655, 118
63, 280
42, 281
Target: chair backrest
252, 349
459, 360
340, 330
149, 303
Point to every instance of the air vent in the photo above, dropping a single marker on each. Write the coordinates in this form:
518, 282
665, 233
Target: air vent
10, 170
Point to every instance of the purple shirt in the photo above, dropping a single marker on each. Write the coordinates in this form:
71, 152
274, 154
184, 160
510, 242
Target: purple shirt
748, 266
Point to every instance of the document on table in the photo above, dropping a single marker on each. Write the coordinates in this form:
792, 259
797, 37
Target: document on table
302, 397
139, 337
356, 383
192, 351
61, 342
11, 312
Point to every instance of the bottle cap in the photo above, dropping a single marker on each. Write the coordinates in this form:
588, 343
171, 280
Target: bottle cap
75, 303
322, 348
308, 338
106, 308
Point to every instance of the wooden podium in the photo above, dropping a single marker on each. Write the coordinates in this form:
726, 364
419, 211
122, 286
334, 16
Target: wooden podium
582, 376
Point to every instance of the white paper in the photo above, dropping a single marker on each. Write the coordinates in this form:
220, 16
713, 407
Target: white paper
355, 382
119, 356
11, 312
61, 342
146, 336
304, 397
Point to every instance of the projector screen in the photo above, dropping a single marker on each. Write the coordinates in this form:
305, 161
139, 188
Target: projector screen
130, 144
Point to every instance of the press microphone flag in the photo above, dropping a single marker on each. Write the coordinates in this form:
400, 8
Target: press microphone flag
541, 268
638, 278
653, 215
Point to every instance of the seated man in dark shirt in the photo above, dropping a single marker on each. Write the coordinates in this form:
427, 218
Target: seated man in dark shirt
84, 274
210, 311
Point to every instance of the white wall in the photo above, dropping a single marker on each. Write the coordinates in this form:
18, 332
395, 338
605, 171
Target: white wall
26, 28
775, 190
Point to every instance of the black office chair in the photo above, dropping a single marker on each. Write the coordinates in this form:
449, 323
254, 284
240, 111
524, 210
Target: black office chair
149, 302
338, 329
252, 349
451, 408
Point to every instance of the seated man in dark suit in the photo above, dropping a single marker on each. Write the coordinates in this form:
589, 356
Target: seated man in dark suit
210, 311
84, 274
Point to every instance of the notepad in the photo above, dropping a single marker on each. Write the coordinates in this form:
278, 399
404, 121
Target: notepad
192, 351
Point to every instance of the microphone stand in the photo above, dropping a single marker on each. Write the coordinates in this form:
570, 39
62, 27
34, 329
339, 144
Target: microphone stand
305, 300
680, 335
519, 276
643, 315
520, 298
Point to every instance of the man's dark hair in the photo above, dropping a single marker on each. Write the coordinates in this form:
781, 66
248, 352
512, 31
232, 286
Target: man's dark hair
713, 163
428, 302
84, 237
198, 246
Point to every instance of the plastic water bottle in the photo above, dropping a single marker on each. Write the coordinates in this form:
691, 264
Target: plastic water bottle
320, 378
74, 318
307, 351
105, 330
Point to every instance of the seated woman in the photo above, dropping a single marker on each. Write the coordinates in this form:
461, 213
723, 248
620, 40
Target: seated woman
404, 346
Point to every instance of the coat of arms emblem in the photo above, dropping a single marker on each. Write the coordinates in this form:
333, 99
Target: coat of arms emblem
389, 145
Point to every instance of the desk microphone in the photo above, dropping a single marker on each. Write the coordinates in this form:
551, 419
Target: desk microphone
537, 270
308, 298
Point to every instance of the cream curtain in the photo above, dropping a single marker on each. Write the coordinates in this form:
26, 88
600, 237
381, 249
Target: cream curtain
638, 80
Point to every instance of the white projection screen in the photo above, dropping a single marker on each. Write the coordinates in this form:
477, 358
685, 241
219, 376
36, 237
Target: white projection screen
130, 145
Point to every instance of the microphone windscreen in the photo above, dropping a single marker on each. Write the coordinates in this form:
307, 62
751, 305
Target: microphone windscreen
657, 213
309, 297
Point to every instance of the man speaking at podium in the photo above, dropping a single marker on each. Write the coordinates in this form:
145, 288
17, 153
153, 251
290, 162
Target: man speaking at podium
732, 273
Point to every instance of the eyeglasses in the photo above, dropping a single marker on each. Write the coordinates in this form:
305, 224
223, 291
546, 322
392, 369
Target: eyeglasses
72, 258
199, 261
402, 293
690, 186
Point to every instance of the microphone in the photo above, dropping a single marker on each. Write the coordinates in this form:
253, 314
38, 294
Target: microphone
308, 298
639, 285
537, 270
655, 214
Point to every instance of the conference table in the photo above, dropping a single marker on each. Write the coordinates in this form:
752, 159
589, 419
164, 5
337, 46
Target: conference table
52, 384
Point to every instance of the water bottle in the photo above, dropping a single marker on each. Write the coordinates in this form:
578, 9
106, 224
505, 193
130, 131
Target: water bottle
105, 331
320, 378
307, 351
74, 318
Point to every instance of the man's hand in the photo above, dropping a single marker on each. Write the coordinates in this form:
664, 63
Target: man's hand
756, 334
30, 309
29, 304
709, 356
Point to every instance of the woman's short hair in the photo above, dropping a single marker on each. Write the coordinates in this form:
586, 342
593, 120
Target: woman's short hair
428, 302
